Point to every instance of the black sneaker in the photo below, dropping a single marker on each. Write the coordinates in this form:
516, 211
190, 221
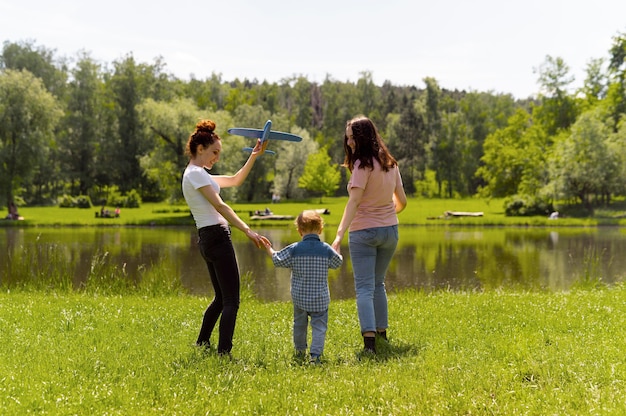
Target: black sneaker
369, 345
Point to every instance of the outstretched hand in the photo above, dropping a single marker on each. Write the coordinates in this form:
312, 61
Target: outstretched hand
258, 239
259, 148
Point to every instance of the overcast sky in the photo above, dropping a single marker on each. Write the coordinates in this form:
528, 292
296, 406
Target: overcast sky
479, 45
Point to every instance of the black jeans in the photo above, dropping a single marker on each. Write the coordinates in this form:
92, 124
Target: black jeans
217, 250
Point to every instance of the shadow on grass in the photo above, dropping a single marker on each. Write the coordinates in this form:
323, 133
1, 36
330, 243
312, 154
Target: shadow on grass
390, 350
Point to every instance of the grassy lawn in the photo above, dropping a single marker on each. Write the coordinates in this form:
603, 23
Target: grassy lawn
449, 354
116, 349
422, 212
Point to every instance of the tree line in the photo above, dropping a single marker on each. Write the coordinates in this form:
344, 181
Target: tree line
80, 131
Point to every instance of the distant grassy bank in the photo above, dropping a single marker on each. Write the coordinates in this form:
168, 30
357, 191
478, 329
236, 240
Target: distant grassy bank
449, 354
419, 212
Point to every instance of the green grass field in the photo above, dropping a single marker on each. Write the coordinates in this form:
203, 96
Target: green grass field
422, 212
113, 348
492, 353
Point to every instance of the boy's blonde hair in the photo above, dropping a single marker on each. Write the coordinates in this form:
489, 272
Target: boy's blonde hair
309, 221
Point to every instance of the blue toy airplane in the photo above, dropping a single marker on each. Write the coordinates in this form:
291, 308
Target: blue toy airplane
266, 133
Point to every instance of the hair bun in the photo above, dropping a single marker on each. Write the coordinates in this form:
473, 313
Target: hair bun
206, 126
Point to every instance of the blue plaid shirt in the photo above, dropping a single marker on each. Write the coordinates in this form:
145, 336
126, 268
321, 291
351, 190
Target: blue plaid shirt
309, 261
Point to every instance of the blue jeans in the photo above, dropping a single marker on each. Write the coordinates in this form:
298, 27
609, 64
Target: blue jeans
371, 251
217, 250
319, 324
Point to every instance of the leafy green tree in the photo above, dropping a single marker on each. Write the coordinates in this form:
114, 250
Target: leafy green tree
452, 142
340, 104
129, 85
435, 149
504, 157
617, 71
483, 113
290, 161
617, 147
39, 61
320, 175
47, 180
406, 137
82, 133
302, 94
369, 97
595, 85
583, 163
170, 124
557, 110
28, 117
208, 94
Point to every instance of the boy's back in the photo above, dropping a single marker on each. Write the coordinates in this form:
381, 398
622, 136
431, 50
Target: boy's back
309, 261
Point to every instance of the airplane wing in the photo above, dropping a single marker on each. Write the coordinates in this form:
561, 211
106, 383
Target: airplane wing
280, 135
250, 149
264, 133
258, 133
253, 133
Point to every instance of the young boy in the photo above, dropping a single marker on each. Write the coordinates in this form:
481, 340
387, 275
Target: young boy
309, 261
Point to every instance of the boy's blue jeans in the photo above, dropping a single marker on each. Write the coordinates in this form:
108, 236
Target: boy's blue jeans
371, 251
319, 324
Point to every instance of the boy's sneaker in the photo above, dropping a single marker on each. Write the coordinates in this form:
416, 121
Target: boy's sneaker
315, 360
299, 356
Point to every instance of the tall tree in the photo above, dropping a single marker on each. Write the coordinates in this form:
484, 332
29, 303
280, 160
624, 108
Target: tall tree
504, 157
130, 84
582, 162
452, 143
169, 124
617, 73
557, 110
483, 114
432, 111
28, 117
320, 175
82, 132
406, 136
39, 61
290, 161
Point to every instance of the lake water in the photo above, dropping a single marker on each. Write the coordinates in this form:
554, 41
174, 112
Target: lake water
428, 258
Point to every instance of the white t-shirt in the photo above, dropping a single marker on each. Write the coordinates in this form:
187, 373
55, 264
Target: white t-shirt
203, 212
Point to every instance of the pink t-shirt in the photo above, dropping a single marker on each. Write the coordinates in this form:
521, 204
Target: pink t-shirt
377, 208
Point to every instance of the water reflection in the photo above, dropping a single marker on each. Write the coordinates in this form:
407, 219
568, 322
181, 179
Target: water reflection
427, 258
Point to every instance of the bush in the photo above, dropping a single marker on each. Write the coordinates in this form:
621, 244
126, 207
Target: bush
130, 200
527, 206
81, 201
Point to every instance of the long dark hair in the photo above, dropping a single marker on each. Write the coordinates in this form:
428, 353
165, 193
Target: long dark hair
368, 146
204, 135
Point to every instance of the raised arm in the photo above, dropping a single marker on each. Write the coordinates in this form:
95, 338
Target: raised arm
227, 181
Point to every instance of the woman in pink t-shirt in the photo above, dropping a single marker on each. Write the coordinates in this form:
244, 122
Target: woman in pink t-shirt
376, 195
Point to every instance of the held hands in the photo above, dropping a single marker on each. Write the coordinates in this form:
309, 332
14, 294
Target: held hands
268, 246
336, 245
258, 240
